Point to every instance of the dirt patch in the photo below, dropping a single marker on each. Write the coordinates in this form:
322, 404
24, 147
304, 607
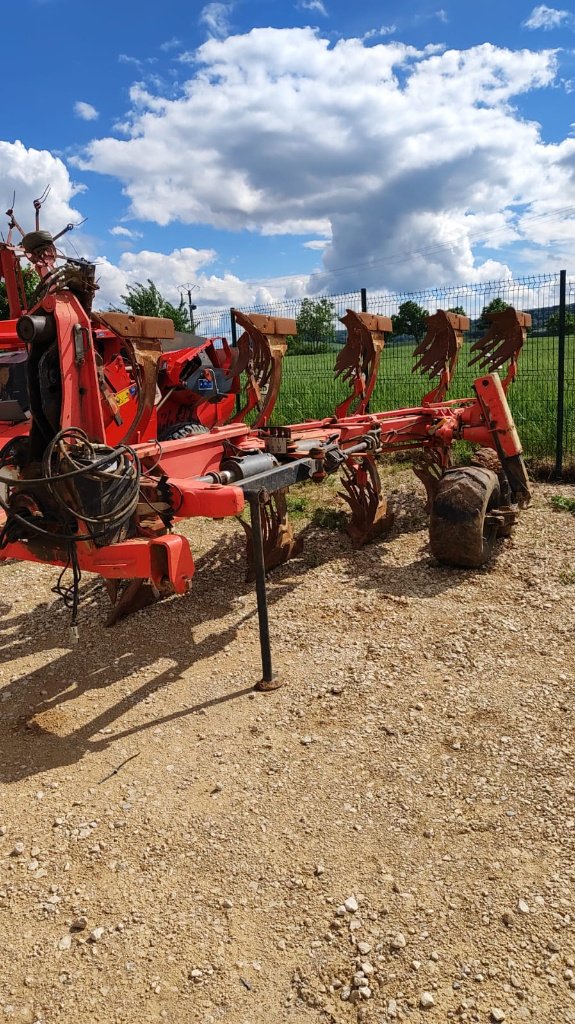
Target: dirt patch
388, 837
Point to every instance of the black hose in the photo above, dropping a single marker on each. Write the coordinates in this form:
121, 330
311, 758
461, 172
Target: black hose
115, 474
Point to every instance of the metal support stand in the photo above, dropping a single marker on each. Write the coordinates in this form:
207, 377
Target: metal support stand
267, 682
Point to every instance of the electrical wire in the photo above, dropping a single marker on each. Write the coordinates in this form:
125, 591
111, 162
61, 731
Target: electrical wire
119, 470
110, 478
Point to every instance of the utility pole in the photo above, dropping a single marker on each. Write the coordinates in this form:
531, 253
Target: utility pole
189, 288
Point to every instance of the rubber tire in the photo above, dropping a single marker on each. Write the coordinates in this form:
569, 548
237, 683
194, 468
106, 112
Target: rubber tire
35, 241
178, 431
458, 533
486, 458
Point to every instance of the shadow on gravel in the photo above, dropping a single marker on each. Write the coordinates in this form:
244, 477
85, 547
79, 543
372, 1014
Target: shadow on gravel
42, 735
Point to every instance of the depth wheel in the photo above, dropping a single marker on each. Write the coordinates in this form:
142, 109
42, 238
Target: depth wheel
461, 532
177, 431
486, 458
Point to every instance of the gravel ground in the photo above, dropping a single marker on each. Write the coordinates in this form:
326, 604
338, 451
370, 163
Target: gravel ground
390, 836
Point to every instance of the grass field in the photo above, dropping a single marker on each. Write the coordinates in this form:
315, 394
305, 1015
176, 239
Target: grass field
309, 390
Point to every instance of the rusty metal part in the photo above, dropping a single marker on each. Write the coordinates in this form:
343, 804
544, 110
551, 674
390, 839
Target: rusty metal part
146, 353
437, 354
129, 596
429, 466
358, 362
260, 352
142, 337
128, 325
502, 343
279, 541
486, 458
362, 491
137, 594
268, 685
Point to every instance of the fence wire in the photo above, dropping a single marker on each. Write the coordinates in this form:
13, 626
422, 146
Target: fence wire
309, 389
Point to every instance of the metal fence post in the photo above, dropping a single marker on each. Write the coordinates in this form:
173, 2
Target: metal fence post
561, 374
233, 331
234, 334
363, 294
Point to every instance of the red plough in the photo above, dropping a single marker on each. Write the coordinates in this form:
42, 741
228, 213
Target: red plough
115, 449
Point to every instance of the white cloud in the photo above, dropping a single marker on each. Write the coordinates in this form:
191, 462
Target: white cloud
379, 33
313, 5
316, 243
170, 271
27, 172
170, 44
216, 18
420, 19
384, 149
126, 58
123, 232
546, 18
85, 111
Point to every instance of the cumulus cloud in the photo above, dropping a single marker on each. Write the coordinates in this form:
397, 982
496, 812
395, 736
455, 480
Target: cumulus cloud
384, 149
216, 18
546, 18
169, 270
85, 111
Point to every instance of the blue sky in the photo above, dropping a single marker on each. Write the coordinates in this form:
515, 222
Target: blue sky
242, 147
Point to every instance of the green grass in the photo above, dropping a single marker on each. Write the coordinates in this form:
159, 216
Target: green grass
330, 518
309, 391
298, 505
562, 503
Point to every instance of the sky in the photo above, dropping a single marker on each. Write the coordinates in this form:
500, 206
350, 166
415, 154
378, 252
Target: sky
266, 149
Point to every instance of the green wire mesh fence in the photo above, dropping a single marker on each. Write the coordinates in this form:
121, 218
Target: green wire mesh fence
309, 389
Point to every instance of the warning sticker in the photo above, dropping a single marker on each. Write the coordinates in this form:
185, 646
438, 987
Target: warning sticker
124, 396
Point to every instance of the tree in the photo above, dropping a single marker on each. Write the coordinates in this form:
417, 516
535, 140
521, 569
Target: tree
457, 309
495, 306
315, 328
31, 281
410, 319
553, 323
147, 300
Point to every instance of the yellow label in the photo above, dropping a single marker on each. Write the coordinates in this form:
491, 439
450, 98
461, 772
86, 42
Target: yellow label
123, 396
